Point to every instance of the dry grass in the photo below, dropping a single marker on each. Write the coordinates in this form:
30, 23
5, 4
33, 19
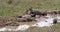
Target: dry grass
17, 7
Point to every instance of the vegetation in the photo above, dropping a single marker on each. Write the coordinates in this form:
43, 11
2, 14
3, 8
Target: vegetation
17, 7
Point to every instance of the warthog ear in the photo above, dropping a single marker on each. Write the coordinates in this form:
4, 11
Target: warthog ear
26, 11
29, 11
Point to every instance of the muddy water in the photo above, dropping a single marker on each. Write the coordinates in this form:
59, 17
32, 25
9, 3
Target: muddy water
44, 21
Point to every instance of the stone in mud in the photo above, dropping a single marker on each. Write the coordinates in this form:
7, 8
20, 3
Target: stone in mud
54, 21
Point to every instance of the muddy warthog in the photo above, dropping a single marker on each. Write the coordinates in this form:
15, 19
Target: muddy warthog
34, 13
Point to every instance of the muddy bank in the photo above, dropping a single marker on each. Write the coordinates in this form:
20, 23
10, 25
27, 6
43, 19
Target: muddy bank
29, 19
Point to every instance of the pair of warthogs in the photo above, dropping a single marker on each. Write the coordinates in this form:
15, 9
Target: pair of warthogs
31, 11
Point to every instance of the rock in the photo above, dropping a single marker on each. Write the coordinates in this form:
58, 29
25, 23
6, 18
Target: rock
22, 27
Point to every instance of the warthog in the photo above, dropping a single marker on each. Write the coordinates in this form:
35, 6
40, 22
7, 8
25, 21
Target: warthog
31, 11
